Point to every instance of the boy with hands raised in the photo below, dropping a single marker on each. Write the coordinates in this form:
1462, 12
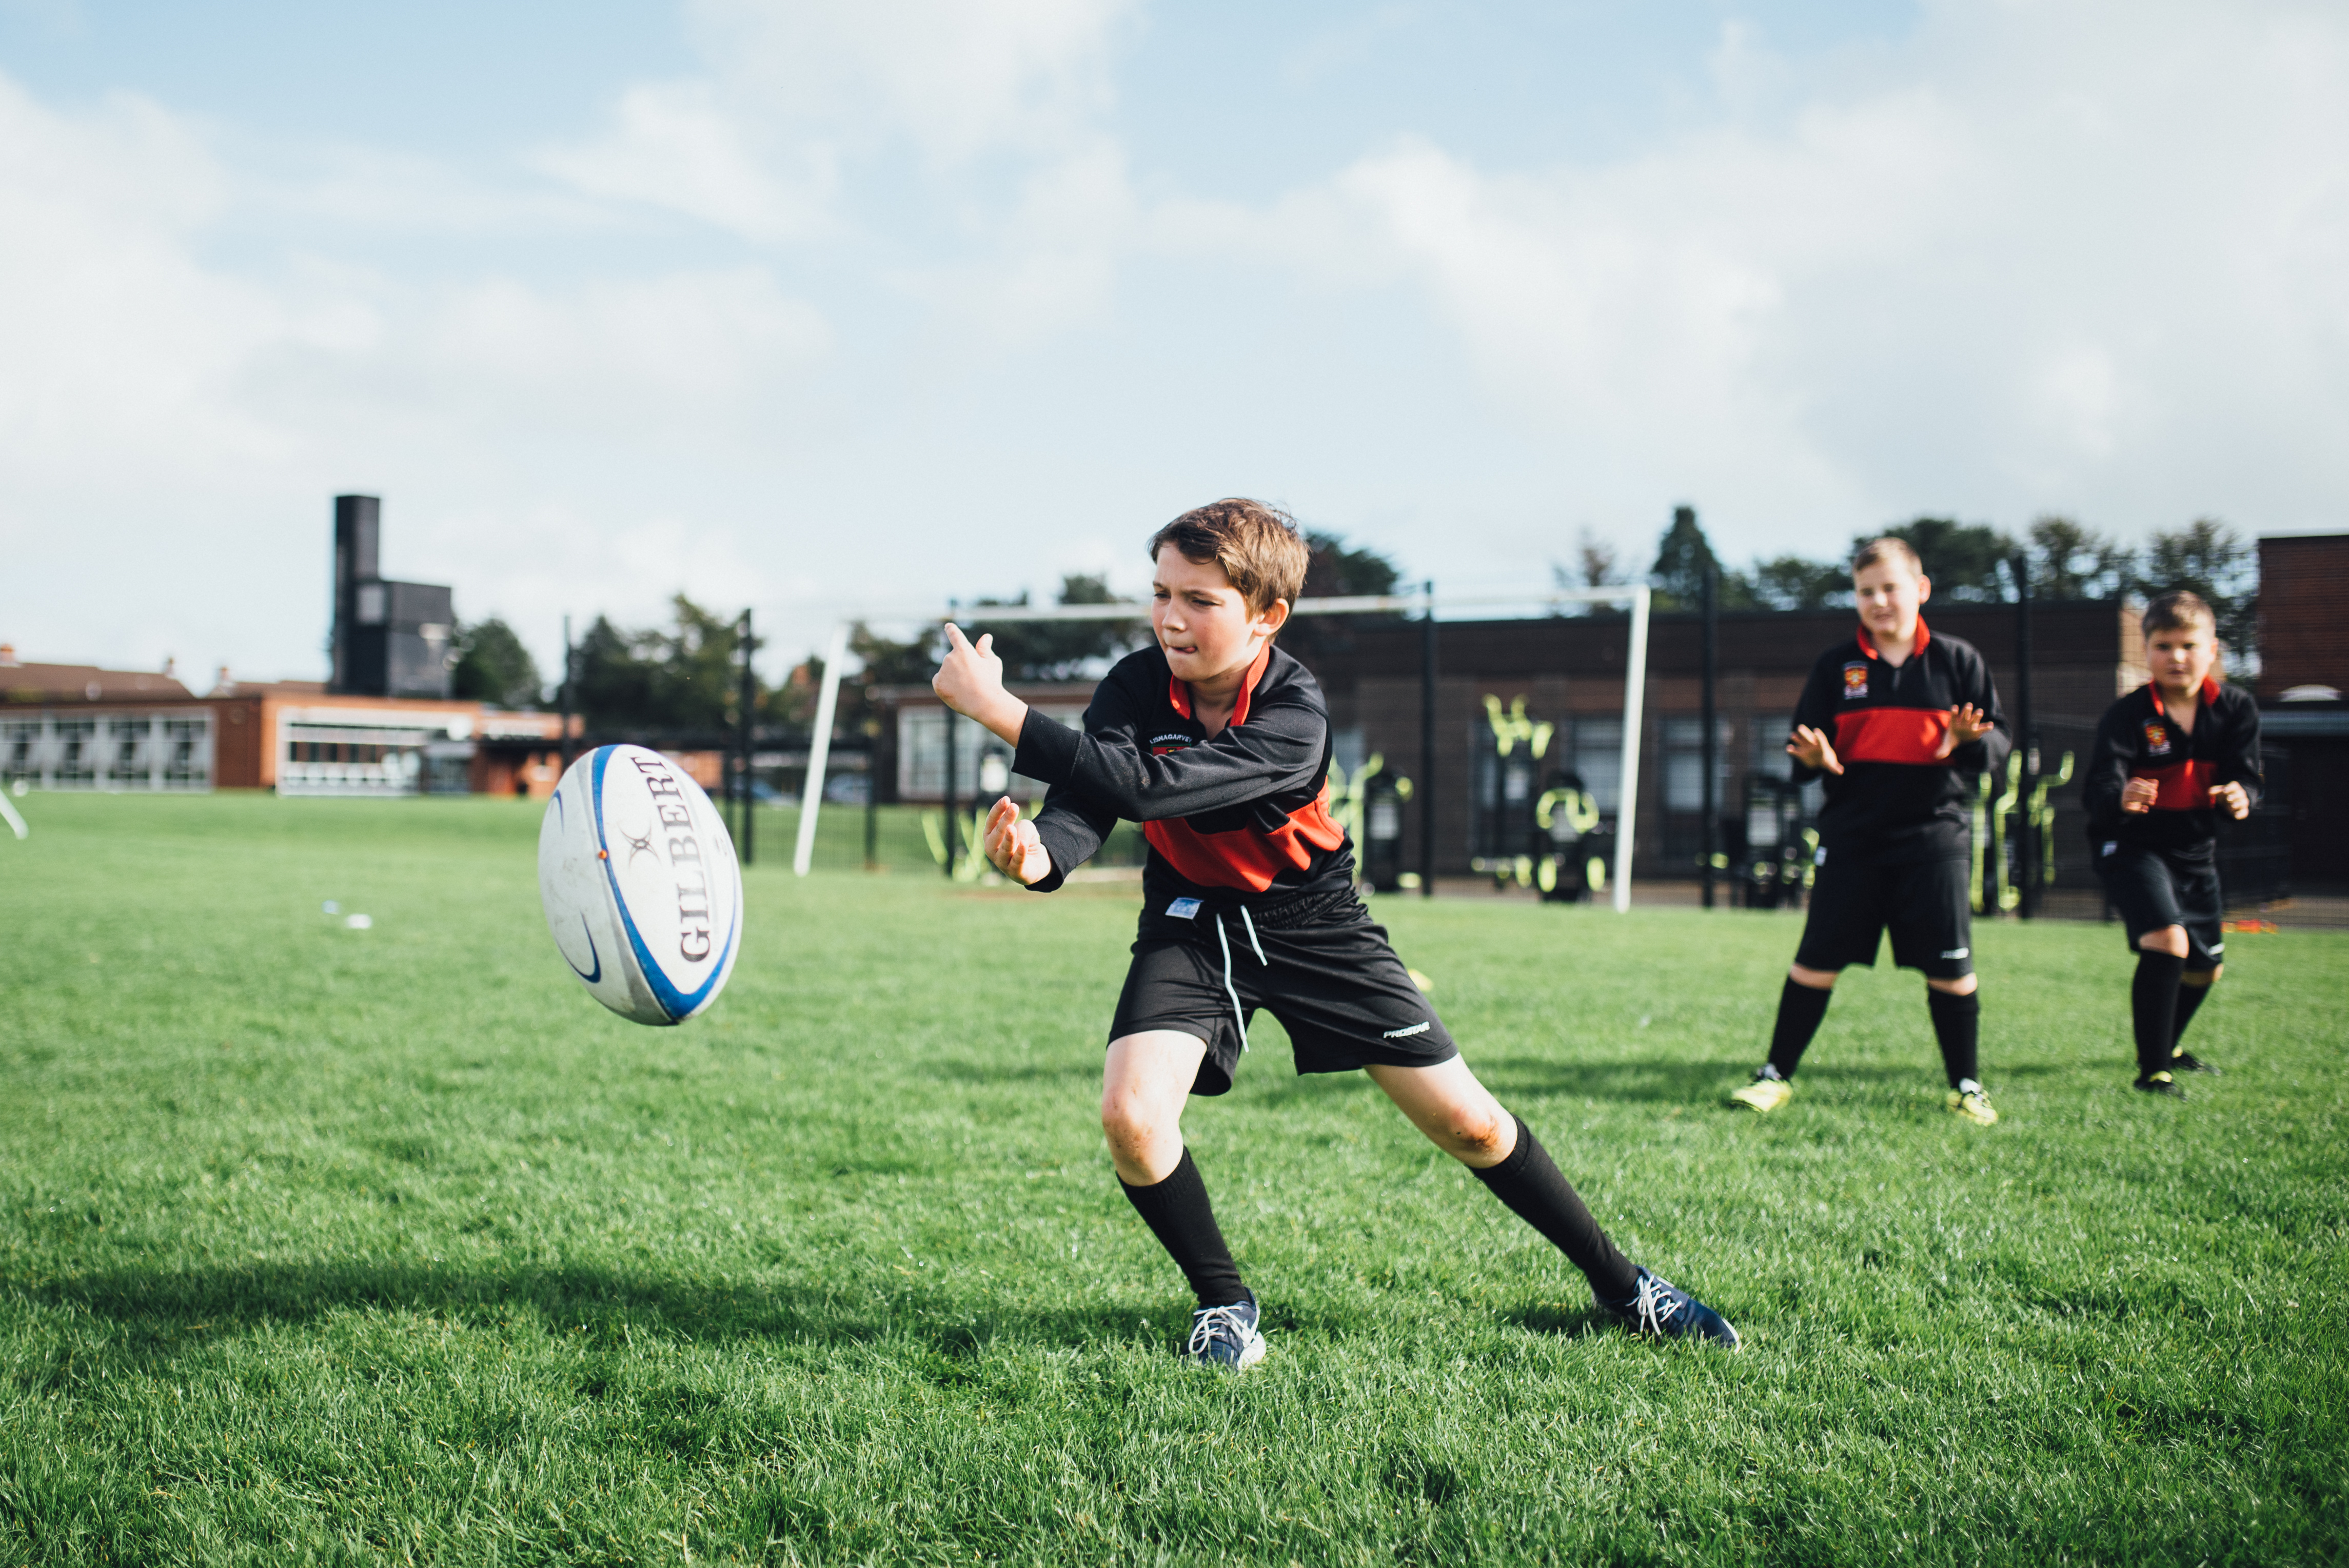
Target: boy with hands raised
1896, 720
1219, 743
2171, 759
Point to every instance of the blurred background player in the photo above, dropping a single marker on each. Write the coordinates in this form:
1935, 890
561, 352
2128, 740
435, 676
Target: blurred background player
2169, 758
1219, 743
1897, 720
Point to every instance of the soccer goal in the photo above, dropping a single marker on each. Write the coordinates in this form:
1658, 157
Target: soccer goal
1424, 605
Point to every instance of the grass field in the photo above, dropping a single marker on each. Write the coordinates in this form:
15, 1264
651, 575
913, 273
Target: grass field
328, 1246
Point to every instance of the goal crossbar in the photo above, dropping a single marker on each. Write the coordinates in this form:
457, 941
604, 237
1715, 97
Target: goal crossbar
1635, 681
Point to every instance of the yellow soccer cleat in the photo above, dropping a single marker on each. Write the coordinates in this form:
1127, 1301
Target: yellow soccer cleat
1767, 1092
1970, 1100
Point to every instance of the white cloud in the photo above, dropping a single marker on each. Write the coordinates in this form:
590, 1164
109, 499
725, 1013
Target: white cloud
674, 145
2082, 256
957, 79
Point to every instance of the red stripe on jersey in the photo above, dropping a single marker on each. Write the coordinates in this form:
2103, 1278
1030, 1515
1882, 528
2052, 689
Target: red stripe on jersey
1911, 735
1250, 855
2183, 786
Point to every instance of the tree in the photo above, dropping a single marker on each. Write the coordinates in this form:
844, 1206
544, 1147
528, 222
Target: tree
1678, 576
1798, 583
1059, 650
1336, 571
2220, 564
687, 679
1966, 561
2069, 562
492, 666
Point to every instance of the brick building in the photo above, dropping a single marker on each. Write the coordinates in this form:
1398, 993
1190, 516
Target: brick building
1568, 672
78, 727
2303, 719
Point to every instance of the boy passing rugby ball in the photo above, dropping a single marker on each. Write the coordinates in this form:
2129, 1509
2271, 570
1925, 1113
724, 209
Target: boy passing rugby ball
2171, 758
1219, 743
1897, 720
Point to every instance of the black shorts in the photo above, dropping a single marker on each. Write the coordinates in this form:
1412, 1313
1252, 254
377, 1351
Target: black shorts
1928, 906
1328, 974
2153, 889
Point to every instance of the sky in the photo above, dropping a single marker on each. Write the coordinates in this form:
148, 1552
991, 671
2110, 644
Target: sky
840, 305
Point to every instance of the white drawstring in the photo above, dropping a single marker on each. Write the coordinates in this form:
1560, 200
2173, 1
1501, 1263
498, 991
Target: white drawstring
1223, 941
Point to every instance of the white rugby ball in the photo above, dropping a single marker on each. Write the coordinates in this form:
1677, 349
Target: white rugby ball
642, 891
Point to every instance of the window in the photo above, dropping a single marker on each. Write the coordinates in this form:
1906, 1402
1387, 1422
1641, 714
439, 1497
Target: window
1683, 747
1599, 757
76, 753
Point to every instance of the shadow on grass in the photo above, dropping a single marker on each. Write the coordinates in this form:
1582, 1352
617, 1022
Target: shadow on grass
167, 1313
1700, 1082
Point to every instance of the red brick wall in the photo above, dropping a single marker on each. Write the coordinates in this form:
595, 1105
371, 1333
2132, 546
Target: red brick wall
2303, 613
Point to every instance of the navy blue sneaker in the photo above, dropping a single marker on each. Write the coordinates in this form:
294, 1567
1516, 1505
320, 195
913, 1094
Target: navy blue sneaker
1663, 1309
1226, 1337
2188, 1062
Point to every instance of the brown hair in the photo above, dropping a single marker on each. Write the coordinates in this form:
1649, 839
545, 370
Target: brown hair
1891, 547
2177, 608
1257, 545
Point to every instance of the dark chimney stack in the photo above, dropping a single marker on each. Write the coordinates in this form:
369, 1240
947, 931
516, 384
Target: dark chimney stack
390, 639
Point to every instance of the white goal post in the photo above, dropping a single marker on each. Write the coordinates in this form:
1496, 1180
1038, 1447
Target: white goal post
1635, 683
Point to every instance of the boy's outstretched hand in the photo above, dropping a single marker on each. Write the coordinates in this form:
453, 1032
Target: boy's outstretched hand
970, 682
1967, 725
1013, 846
1812, 748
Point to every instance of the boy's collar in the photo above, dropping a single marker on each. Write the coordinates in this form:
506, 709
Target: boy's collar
1923, 637
1179, 694
2208, 694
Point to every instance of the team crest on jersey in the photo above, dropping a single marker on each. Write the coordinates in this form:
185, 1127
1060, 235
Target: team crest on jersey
1854, 680
2157, 737
1160, 745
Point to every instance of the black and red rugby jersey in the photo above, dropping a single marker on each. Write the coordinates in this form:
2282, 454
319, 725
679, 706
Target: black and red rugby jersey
2138, 738
1243, 815
1894, 801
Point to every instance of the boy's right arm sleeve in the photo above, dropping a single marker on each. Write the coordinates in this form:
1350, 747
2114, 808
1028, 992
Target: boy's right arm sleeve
1818, 709
1279, 748
2108, 768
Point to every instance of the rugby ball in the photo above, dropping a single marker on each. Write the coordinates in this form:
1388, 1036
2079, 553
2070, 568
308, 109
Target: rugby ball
638, 877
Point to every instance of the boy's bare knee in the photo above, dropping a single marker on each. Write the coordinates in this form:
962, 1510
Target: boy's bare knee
1963, 985
1814, 979
2169, 939
2200, 977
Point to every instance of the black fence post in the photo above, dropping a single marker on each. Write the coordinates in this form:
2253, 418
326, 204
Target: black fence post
2027, 741
1427, 743
1712, 747
562, 741
749, 740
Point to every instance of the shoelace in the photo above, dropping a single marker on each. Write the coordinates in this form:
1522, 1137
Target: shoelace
1225, 941
1209, 1319
1652, 1306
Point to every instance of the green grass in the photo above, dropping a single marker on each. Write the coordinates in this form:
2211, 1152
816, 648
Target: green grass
329, 1245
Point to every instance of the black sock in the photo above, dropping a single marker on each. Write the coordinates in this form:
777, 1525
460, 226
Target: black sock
1957, 1024
1177, 1212
1800, 1008
2189, 997
1530, 1183
2153, 1008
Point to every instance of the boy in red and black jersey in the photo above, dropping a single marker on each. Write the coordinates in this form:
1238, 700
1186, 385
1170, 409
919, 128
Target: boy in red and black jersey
2171, 759
1897, 721
1219, 743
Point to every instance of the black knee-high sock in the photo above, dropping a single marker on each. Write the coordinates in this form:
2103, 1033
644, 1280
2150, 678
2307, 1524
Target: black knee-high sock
2153, 1009
1177, 1212
2189, 998
1800, 1008
1957, 1025
1530, 1183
